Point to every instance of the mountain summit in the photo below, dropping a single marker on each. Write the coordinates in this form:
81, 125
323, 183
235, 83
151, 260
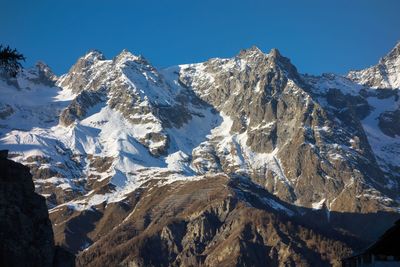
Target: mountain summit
383, 75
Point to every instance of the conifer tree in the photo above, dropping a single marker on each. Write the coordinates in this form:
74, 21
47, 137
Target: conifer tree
10, 61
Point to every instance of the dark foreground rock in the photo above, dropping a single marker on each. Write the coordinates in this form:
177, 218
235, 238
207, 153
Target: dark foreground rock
26, 235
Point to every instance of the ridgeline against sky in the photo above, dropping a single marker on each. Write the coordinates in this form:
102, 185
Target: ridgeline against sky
319, 36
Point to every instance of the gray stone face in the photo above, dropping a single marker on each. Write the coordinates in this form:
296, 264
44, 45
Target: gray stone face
79, 107
43, 75
79, 75
5, 111
389, 123
277, 109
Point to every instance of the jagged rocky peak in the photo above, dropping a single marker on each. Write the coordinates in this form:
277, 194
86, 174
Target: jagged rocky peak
45, 69
132, 61
384, 75
290, 71
126, 55
86, 61
128, 85
275, 53
252, 52
250, 72
42, 74
92, 56
38, 75
394, 54
254, 55
79, 76
273, 60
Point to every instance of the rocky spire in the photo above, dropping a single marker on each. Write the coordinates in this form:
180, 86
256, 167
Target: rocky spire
77, 77
252, 52
392, 55
93, 55
127, 56
284, 64
45, 74
275, 53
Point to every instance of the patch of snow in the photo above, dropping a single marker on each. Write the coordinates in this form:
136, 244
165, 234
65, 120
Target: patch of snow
277, 206
385, 148
318, 205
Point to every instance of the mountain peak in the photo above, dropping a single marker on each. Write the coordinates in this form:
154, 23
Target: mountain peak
396, 49
252, 52
392, 55
275, 53
41, 66
386, 74
126, 55
254, 56
45, 73
276, 58
93, 55
255, 52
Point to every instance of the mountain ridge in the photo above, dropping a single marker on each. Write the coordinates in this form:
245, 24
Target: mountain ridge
112, 127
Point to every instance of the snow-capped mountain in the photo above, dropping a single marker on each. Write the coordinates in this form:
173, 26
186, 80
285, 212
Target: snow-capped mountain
384, 75
109, 128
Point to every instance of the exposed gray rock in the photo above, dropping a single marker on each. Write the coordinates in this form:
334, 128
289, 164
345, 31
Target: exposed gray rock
80, 106
43, 75
79, 75
389, 123
205, 159
5, 111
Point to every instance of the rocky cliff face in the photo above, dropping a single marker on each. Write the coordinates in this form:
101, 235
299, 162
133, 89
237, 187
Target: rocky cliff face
26, 233
290, 136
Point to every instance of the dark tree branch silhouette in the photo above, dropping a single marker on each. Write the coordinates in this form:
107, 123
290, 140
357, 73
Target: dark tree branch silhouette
10, 60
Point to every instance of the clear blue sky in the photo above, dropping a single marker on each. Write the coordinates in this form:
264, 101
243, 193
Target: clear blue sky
318, 35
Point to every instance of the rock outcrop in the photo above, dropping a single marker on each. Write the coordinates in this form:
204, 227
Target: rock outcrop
389, 123
25, 229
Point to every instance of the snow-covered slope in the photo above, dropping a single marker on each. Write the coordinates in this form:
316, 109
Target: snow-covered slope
385, 146
381, 125
116, 130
